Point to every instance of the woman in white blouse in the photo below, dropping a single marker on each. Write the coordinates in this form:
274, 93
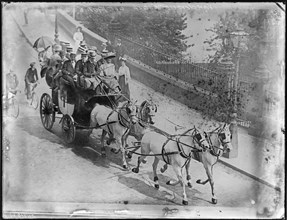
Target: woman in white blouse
78, 37
124, 78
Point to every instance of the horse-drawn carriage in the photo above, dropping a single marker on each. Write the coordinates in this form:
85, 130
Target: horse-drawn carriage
75, 104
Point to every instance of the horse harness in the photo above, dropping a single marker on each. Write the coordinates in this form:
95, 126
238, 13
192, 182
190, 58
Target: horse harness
121, 119
212, 150
180, 148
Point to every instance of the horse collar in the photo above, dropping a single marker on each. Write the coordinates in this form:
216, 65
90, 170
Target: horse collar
122, 120
180, 149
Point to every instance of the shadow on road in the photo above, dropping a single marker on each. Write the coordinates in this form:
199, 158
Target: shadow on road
90, 149
150, 191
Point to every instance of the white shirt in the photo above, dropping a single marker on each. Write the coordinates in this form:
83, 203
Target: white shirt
124, 70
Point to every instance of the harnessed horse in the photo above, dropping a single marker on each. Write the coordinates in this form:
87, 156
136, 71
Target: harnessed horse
116, 122
146, 114
175, 150
219, 141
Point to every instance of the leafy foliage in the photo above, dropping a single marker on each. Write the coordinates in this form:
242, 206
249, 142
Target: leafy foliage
158, 28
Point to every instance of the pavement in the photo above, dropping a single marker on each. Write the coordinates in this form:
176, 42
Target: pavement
257, 158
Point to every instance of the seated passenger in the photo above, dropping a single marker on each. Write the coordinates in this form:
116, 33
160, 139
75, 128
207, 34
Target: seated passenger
108, 68
68, 73
56, 65
80, 67
108, 73
90, 71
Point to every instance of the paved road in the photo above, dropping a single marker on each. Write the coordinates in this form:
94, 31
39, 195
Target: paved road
41, 167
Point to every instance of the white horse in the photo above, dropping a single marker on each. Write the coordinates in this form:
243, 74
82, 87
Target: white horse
219, 141
147, 111
115, 122
175, 150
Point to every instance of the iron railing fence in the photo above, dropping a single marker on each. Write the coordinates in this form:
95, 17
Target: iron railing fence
208, 77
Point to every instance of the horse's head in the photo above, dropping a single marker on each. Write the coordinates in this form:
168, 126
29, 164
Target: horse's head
132, 111
200, 139
225, 137
148, 111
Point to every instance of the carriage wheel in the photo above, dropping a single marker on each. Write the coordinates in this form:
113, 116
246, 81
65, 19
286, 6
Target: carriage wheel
68, 129
35, 101
13, 108
47, 113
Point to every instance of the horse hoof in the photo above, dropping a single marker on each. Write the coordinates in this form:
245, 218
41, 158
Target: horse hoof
125, 167
114, 151
162, 170
156, 186
168, 182
198, 181
108, 142
129, 155
143, 161
214, 201
189, 185
184, 202
135, 170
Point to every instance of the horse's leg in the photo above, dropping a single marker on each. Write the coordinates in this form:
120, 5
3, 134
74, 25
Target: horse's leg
199, 180
119, 143
209, 173
187, 174
177, 169
145, 150
103, 151
155, 178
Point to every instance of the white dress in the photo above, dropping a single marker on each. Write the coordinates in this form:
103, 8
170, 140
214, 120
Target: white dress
78, 37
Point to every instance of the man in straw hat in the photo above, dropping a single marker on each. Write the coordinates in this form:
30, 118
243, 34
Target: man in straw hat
68, 73
90, 70
80, 66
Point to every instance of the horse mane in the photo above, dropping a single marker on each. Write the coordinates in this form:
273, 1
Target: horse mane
143, 103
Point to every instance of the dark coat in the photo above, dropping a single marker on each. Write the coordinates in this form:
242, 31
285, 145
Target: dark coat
80, 67
89, 69
68, 68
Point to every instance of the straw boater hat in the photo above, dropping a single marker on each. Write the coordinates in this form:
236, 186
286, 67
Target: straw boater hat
84, 53
69, 49
65, 44
73, 52
57, 47
109, 55
92, 54
123, 58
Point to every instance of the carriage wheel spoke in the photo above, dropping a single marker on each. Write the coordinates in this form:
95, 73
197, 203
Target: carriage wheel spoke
46, 111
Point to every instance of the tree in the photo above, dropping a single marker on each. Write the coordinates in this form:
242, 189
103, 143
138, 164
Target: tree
255, 22
158, 28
